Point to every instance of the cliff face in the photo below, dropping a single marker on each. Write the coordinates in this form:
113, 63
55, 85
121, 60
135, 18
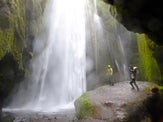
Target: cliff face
20, 21
142, 16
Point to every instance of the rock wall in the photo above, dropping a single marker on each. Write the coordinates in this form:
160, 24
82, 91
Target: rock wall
142, 16
20, 22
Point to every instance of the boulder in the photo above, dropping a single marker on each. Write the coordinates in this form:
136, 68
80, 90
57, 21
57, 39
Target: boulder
118, 103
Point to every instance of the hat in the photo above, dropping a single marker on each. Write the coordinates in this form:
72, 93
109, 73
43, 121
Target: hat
154, 89
108, 65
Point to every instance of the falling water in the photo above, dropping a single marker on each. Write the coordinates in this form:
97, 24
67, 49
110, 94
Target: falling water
108, 44
58, 67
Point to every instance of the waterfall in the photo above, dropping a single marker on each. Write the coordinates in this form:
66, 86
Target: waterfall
108, 43
73, 47
58, 68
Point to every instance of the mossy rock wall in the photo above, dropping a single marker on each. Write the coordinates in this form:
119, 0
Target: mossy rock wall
148, 65
20, 22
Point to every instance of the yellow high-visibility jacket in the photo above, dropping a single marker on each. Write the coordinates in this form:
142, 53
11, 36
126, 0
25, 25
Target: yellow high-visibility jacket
109, 71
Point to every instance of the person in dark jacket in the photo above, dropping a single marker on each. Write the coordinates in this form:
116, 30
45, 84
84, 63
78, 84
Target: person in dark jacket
133, 73
152, 104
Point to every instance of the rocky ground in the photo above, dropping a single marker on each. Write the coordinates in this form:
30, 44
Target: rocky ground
112, 103
68, 116
118, 103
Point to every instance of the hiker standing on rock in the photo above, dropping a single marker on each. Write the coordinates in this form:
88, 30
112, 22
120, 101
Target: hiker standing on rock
109, 71
133, 73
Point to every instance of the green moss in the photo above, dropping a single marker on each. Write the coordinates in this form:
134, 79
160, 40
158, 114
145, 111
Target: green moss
12, 39
160, 87
6, 41
84, 108
8, 45
16, 16
148, 65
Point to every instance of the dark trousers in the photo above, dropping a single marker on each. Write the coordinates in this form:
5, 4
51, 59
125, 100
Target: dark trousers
110, 80
133, 83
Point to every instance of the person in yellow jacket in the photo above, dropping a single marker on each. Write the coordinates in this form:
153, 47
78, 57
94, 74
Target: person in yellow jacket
109, 71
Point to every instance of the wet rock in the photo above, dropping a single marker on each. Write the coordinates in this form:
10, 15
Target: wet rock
112, 103
8, 118
29, 116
